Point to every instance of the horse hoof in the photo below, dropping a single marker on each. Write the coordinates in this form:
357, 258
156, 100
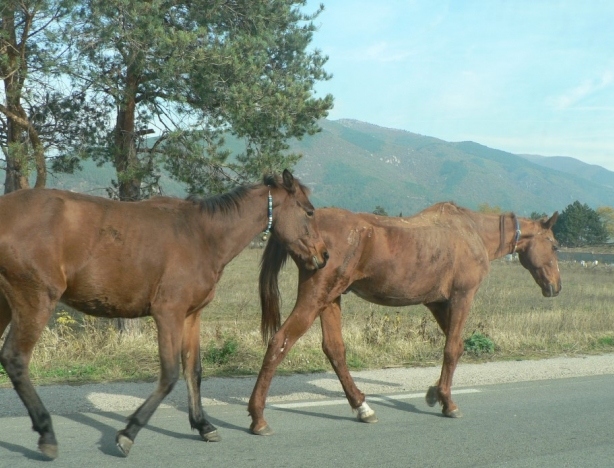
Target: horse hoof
212, 436
431, 396
49, 450
124, 444
265, 431
366, 414
368, 419
453, 414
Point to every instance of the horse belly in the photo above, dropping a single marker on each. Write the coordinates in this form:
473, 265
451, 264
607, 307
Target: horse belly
102, 307
390, 297
109, 296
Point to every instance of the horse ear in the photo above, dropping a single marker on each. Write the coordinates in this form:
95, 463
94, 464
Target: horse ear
288, 179
550, 222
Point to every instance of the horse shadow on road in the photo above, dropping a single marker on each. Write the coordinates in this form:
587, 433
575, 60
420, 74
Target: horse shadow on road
91, 405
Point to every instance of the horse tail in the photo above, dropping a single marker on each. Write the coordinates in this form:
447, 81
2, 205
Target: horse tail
273, 259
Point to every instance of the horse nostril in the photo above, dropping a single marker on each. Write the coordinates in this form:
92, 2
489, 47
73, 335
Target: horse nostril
325, 255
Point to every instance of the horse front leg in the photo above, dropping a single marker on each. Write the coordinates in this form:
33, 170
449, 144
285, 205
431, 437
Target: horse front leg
334, 348
170, 328
192, 372
451, 317
295, 326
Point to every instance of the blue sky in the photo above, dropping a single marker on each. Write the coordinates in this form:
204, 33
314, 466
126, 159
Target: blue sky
531, 77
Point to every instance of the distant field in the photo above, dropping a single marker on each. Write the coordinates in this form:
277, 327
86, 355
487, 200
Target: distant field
509, 310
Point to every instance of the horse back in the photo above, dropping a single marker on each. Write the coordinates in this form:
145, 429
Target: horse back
78, 224
83, 247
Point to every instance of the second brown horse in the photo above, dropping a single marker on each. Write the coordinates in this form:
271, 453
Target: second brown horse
438, 258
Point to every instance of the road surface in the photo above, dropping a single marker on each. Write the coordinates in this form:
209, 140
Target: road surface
555, 412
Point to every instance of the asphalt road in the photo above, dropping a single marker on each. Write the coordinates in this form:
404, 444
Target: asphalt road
560, 414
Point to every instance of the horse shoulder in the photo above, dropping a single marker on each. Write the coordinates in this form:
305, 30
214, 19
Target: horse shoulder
471, 262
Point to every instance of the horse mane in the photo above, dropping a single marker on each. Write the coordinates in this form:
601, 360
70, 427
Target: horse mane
441, 212
273, 259
451, 208
229, 202
272, 180
447, 207
224, 203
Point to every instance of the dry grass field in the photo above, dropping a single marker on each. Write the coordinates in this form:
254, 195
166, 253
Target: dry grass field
509, 312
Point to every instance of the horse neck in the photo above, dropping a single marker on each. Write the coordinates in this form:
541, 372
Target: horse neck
233, 232
498, 234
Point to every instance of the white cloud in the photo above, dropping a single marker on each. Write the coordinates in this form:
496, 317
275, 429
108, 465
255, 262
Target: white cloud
382, 52
582, 91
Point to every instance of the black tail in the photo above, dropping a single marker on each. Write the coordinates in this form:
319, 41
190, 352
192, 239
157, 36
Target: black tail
273, 259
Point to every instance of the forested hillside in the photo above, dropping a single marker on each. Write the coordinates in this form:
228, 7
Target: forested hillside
359, 166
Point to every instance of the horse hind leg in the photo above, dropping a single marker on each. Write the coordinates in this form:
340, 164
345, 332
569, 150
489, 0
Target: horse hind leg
192, 371
169, 344
440, 312
5, 314
334, 348
15, 357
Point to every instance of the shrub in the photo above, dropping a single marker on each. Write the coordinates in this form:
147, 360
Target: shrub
606, 341
219, 355
479, 344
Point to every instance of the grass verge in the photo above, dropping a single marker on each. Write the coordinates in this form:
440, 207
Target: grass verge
509, 320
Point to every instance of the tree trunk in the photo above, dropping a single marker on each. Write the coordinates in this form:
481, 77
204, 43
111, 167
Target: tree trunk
14, 179
39, 159
126, 160
16, 175
22, 138
18, 156
127, 167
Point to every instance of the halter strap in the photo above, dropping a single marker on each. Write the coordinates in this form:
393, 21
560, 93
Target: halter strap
267, 231
517, 234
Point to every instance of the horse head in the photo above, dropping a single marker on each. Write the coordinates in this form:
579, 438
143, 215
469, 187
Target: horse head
537, 253
294, 223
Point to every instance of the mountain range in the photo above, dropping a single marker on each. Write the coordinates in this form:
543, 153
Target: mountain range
360, 166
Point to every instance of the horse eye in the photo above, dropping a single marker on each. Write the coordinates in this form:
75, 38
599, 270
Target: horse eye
555, 248
310, 213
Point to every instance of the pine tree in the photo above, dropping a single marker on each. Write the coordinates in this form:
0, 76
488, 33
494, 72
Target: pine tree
579, 225
194, 73
606, 213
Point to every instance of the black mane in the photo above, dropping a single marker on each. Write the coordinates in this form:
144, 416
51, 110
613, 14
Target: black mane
229, 202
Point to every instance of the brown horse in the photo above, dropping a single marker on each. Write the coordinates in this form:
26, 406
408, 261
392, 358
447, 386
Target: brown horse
437, 258
160, 258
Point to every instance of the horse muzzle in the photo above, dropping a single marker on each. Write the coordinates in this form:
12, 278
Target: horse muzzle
318, 264
551, 290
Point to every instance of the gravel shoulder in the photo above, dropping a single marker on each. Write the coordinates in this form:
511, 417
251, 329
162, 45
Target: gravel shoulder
118, 397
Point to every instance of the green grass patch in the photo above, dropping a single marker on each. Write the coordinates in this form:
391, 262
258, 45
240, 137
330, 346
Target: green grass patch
355, 362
